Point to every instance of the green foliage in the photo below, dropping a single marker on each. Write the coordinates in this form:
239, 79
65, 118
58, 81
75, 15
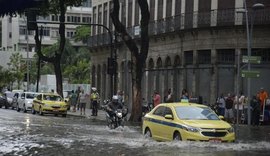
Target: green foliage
82, 33
17, 67
6, 77
75, 63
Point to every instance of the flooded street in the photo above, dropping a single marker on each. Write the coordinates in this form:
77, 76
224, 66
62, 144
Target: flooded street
26, 134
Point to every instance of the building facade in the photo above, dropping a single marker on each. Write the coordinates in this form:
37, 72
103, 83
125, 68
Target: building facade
14, 29
194, 44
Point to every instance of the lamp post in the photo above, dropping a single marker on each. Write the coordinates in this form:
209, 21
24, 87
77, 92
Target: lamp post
255, 7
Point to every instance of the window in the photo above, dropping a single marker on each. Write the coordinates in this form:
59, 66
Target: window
264, 53
159, 111
189, 57
168, 111
204, 56
10, 34
129, 13
169, 8
105, 14
226, 56
160, 9
68, 19
46, 31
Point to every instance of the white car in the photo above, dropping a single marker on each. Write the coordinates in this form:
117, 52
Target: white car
25, 101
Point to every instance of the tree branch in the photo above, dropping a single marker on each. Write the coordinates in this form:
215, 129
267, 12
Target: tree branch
120, 28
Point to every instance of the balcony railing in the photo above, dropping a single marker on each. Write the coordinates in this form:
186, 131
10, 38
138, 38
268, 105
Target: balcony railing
213, 18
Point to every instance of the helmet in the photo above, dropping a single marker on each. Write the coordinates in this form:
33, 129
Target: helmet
94, 89
115, 98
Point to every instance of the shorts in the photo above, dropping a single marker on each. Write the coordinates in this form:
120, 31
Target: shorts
82, 105
228, 113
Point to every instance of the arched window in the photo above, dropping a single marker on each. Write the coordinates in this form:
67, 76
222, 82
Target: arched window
151, 63
159, 63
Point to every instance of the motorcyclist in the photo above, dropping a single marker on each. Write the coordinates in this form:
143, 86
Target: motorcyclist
113, 105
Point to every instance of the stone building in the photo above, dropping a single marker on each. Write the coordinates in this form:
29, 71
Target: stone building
194, 44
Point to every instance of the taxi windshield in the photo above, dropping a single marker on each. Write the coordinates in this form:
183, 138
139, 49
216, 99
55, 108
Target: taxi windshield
195, 113
52, 98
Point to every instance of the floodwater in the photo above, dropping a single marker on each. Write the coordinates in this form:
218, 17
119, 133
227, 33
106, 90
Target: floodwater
33, 135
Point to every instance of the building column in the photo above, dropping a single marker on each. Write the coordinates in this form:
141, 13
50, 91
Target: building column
213, 84
195, 13
183, 11
195, 73
237, 58
214, 7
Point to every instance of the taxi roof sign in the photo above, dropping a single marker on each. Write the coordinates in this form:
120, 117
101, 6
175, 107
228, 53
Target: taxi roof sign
184, 100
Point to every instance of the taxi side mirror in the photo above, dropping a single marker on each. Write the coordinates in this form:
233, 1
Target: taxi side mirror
169, 116
221, 117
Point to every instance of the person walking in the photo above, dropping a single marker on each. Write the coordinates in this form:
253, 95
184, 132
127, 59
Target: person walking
184, 94
120, 97
78, 91
83, 99
239, 104
229, 109
168, 98
73, 100
221, 105
256, 109
263, 95
156, 98
94, 101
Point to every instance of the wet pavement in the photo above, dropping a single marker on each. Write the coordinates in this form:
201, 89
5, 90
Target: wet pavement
24, 134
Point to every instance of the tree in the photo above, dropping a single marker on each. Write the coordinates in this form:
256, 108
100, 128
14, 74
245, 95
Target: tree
138, 57
56, 7
17, 67
6, 77
82, 33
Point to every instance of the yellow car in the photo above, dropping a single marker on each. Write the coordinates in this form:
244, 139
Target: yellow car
49, 103
187, 122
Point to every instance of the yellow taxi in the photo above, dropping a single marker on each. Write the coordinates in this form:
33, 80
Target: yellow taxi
49, 103
188, 122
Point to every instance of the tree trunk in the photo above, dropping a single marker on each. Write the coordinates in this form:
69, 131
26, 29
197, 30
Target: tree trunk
58, 76
138, 57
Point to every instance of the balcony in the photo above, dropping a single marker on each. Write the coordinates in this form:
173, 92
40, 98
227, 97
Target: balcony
182, 22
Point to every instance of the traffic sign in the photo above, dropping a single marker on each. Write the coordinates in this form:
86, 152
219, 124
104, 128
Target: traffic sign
250, 74
252, 59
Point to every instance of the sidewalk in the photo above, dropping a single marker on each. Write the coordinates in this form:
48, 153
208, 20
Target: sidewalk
101, 114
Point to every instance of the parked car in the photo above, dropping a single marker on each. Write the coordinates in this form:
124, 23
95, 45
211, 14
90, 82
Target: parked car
49, 103
3, 101
9, 98
25, 101
187, 122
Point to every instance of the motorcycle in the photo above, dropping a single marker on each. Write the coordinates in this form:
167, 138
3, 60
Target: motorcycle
116, 119
147, 108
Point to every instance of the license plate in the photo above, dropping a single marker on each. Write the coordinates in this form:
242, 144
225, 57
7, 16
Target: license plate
215, 140
56, 110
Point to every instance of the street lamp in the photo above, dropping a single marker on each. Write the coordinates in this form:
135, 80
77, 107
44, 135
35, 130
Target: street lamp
255, 7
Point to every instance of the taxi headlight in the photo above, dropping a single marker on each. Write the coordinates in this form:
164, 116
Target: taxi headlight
191, 129
230, 130
64, 106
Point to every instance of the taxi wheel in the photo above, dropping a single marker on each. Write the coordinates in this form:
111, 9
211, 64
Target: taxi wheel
177, 136
64, 115
147, 133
